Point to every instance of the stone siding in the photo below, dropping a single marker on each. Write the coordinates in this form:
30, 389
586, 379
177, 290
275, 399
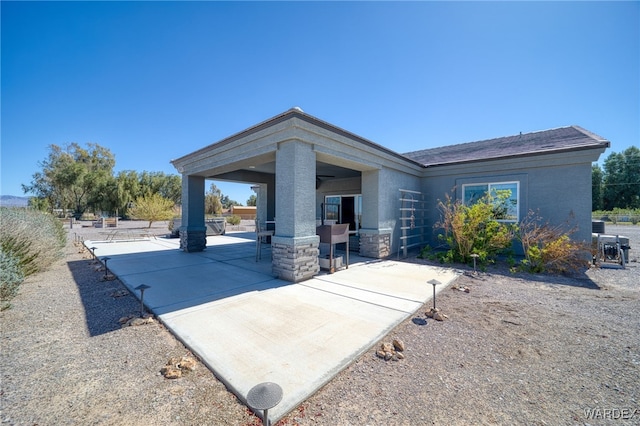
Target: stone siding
192, 240
375, 245
295, 262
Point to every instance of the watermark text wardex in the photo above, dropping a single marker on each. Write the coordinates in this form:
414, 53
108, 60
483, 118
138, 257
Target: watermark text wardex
612, 413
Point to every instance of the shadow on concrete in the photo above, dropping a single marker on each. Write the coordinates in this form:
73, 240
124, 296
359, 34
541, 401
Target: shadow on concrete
180, 280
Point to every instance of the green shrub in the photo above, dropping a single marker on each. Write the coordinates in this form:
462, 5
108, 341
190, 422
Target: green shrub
10, 279
474, 229
426, 252
234, 219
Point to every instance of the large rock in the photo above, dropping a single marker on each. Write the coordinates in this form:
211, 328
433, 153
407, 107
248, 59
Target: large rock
398, 345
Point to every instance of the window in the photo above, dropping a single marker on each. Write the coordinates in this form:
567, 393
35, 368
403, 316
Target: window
507, 212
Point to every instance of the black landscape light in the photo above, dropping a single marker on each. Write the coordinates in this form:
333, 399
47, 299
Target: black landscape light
263, 397
142, 288
93, 252
106, 271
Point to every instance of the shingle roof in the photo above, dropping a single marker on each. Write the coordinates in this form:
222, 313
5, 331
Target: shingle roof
570, 138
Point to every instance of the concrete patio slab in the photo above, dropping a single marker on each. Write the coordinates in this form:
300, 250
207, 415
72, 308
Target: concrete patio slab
249, 327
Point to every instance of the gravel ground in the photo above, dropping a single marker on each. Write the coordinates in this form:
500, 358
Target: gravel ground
516, 349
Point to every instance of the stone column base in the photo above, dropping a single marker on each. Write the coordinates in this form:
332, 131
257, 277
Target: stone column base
375, 243
193, 239
295, 259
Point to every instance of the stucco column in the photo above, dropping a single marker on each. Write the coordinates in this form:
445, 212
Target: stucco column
193, 233
375, 239
261, 202
295, 245
266, 198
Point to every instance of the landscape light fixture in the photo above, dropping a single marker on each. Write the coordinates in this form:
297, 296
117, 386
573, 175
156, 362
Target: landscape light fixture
93, 252
142, 288
475, 257
263, 397
434, 283
106, 271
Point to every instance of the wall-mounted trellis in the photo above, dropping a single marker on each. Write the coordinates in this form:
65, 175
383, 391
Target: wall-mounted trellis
412, 220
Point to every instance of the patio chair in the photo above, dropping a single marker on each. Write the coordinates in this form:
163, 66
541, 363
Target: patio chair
261, 234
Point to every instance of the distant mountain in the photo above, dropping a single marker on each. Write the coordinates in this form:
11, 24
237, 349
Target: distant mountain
13, 201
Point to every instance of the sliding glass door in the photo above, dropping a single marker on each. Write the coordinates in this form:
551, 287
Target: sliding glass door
344, 209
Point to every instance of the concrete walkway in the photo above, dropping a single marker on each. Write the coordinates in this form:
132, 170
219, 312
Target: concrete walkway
249, 327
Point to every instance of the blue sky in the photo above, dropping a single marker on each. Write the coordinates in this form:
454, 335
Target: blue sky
153, 81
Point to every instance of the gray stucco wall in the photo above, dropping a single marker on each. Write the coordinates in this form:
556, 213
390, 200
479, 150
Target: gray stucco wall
558, 186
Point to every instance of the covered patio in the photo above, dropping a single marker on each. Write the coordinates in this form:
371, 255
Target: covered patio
295, 161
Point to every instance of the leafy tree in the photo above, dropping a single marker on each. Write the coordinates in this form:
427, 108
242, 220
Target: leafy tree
71, 176
118, 193
168, 186
41, 204
153, 208
622, 180
227, 202
596, 187
252, 201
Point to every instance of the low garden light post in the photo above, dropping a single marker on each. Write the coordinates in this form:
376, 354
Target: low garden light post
264, 397
475, 257
93, 252
142, 288
434, 283
106, 270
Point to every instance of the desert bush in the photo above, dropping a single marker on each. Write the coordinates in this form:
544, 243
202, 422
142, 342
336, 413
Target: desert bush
12, 277
35, 238
234, 219
549, 248
474, 229
30, 241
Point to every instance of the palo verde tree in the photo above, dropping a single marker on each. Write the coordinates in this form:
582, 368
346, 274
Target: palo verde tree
71, 176
153, 207
212, 203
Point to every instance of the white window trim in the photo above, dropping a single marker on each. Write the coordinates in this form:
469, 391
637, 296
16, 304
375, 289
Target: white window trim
489, 184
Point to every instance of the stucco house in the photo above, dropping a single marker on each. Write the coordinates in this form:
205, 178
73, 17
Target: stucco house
307, 171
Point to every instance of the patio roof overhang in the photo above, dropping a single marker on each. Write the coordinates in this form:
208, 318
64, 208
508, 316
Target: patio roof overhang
250, 156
